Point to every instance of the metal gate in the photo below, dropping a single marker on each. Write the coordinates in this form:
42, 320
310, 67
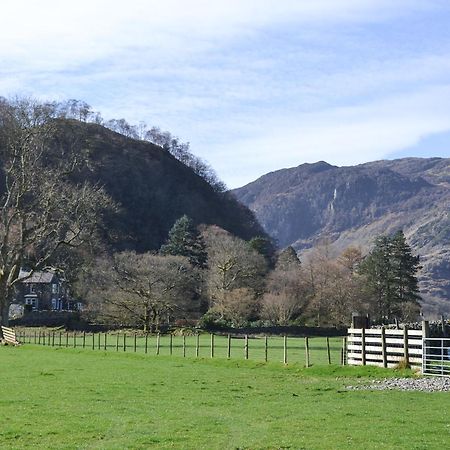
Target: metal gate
436, 356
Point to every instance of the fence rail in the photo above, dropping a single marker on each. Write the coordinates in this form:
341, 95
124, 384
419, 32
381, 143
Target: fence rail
308, 351
383, 347
436, 356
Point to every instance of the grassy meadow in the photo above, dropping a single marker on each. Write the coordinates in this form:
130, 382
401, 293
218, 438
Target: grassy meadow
66, 398
192, 346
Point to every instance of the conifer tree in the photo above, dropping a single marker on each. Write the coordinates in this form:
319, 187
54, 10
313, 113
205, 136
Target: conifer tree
185, 240
390, 270
405, 268
264, 247
288, 259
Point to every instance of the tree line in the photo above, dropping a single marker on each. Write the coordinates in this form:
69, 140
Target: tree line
48, 219
82, 111
209, 274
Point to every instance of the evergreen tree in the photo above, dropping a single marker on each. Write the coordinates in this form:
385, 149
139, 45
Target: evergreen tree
264, 247
288, 259
185, 240
405, 268
390, 270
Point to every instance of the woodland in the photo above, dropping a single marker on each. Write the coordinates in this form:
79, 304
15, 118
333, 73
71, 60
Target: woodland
146, 233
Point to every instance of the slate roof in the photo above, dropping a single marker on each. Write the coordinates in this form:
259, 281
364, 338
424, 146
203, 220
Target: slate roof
37, 277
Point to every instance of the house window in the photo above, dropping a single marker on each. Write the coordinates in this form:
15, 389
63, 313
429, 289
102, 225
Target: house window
54, 288
56, 304
33, 301
32, 288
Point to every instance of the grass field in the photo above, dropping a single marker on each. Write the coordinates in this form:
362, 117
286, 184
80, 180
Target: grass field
179, 345
58, 398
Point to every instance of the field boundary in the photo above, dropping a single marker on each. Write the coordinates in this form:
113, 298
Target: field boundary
308, 350
384, 347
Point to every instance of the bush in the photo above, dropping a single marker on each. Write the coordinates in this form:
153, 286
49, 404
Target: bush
212, 321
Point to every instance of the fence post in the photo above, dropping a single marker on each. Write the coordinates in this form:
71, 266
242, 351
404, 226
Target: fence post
35, 337
306, 351
124, 342
99, 337
60, 339
343, 350
93, 341
67, 338
105, 346
117, 342
158, 337
135, 342
84, 339
425, 329
285, 357
184, 346
246, 346
170, 344
53, 339
229, 347
444, 329
363, 346
197, 345
406, 345
146, 342
74, 339
425, 335
265, 348
383, 346
212, 345
328, 350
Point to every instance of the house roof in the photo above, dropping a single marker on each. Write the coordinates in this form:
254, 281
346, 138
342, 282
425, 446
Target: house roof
36, 277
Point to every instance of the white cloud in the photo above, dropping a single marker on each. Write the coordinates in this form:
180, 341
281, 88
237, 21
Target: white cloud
51, 34
224, 75
342, 136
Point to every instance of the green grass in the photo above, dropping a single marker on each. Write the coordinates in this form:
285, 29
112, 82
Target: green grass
256, 346
58, 398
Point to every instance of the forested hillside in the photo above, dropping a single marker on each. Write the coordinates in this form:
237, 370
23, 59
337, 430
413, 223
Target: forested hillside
352, 205
151, 188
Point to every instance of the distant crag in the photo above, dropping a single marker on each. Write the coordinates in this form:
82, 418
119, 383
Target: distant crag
352, 205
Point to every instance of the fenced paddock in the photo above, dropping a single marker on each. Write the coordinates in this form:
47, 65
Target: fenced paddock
436, 356
308, 351
384, 347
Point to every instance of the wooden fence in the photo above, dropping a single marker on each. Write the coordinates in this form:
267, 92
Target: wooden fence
308, 351
384, 347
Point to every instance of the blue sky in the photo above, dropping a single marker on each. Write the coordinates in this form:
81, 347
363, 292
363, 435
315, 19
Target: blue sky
253, 85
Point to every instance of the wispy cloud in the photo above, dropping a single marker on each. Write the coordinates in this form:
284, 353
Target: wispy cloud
253, 84
341, 136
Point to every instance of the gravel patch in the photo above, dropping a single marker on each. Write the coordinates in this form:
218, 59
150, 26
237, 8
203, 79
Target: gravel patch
426, 384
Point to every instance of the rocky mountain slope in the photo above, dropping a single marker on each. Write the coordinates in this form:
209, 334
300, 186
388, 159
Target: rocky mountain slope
352, 205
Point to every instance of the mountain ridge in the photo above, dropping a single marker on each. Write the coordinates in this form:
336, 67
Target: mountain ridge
351, 205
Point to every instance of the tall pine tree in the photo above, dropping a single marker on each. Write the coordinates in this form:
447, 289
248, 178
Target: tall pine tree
390, 270
405, 267
185, 240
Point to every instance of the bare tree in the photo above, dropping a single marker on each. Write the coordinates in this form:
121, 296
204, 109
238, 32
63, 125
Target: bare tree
232, 264
41, 210
336, 289
287, 290
237, 306
142, 289
286, 297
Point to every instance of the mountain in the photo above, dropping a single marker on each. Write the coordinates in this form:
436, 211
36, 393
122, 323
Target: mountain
151, 188
352, 205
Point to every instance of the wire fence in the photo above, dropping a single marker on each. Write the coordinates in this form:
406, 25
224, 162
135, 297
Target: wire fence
308, 350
